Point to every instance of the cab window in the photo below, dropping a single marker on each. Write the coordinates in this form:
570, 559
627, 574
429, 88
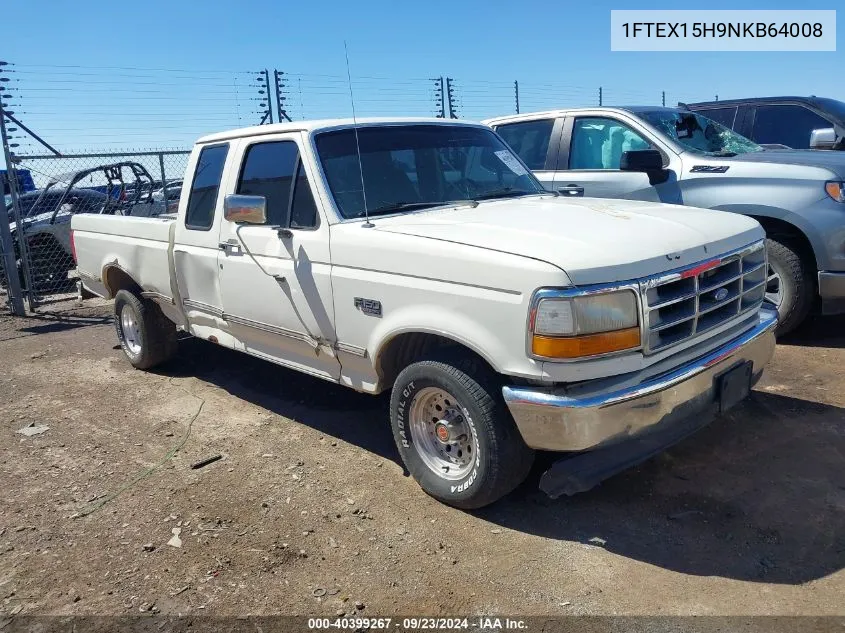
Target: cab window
789, 125
274, 170
530, 140
725, 116
598, 143
205, 187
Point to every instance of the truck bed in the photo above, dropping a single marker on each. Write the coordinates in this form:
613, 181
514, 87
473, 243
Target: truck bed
140, 245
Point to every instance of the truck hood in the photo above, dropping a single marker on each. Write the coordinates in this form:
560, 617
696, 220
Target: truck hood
594, 240
827, 159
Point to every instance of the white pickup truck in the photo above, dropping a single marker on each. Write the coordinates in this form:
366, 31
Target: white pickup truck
421, 256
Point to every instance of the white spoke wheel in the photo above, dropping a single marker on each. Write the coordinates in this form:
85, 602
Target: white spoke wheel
774, 289
443, 436
146, 336
790, 283
454, 432
131, 331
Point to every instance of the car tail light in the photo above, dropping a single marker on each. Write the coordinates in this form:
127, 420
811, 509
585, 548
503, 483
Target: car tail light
72, 245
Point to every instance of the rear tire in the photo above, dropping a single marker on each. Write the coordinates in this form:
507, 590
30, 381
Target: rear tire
455, 434
147, 337
790, 284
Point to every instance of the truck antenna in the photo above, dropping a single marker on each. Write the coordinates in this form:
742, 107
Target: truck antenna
367, 223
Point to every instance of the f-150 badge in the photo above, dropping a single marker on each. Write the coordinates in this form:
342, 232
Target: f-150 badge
368, 306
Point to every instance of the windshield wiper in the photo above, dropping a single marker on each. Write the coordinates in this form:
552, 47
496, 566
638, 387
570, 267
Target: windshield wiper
507, 192
723, 153
410, 206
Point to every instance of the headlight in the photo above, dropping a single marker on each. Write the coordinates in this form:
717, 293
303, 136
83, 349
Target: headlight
574, 327
835, 190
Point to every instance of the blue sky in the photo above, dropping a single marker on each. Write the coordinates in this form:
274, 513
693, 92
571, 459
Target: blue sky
559, 52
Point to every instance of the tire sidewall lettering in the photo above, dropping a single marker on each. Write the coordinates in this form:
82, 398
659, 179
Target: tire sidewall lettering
403, 405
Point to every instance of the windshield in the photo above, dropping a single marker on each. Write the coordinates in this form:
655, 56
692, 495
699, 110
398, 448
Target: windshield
408, 167
700, 134
834, 107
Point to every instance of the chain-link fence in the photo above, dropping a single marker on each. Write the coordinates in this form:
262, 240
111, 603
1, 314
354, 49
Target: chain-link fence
45, 109
145, 184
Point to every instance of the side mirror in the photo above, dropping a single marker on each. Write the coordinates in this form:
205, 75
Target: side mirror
641, 160
824, 138
245, 209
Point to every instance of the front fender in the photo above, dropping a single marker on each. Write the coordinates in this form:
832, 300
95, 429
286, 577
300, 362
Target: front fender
433, 319
823, 224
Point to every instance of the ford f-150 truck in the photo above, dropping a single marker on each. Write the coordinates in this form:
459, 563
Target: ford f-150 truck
681, 157
422, 257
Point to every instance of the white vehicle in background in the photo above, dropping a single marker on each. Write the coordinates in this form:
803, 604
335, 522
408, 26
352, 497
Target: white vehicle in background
681, 157
421, 257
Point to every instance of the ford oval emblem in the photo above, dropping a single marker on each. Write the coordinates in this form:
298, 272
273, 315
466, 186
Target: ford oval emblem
720, 294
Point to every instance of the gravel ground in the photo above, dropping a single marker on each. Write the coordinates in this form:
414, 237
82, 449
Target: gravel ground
309, 511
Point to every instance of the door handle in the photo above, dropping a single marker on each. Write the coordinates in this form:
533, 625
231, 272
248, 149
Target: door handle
572, 190
225, 246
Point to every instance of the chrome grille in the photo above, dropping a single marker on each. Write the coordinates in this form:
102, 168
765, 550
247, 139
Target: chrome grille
687, 302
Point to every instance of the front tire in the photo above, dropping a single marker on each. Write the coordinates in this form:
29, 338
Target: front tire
147, 337
789, 285
455, 434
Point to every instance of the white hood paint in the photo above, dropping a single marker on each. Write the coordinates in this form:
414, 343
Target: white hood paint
594, 240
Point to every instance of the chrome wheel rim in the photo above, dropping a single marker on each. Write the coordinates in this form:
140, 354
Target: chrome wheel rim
774, 287
443, 434
131, 332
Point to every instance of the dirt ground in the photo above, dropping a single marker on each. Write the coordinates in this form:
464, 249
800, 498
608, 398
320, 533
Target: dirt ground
309, 512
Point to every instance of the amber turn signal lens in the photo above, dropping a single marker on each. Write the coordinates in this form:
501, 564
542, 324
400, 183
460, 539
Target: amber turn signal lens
835, 190
589, 345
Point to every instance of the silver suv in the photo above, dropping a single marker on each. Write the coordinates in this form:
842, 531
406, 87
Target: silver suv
681, 157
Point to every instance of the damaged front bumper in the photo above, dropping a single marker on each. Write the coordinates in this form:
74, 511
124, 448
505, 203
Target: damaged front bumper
619, 428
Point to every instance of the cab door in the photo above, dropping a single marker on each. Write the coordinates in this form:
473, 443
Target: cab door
275, 278
591, 153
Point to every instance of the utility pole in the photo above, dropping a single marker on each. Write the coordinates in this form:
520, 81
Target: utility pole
280, 99
516, 94
663, 99
439, 97
264, 90
451, 96
600, 96
6, 243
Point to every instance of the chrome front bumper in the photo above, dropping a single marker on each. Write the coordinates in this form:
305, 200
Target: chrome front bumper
559, 420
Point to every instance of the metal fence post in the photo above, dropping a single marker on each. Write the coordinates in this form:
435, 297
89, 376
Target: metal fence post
450, 95
163, 177
439, 97
6, 242
280, 98
269, 98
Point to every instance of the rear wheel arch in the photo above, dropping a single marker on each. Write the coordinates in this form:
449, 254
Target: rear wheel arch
116, 279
